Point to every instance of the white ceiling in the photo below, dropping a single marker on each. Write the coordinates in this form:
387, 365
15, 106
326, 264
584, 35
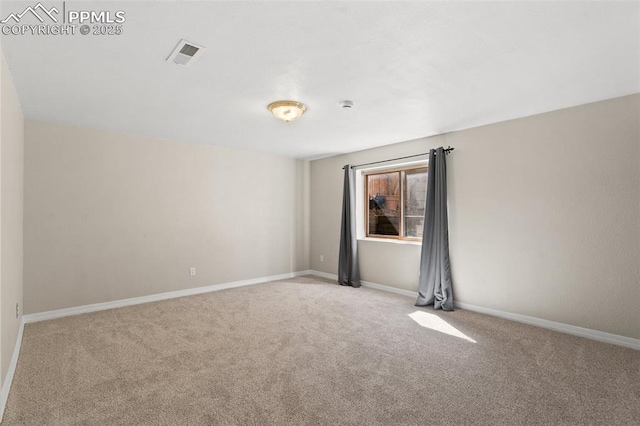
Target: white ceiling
412, 69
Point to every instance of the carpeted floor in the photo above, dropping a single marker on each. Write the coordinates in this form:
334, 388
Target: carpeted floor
307, 351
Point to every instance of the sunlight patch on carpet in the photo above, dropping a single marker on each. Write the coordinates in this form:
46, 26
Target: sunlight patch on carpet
436, 323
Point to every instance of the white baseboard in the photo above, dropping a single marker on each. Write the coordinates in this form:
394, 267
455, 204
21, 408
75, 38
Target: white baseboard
323, 275
538, 322
77, 310
367, 284
6, 385
413, 294
556, 326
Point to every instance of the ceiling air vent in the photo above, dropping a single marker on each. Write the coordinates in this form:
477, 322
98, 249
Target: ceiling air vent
185, 53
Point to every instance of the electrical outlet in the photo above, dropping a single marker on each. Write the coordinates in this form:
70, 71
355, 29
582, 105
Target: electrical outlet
17, 310
322, 258
192, 271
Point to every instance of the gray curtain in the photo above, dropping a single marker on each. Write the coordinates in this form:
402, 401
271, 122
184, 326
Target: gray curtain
348, 268
435, 270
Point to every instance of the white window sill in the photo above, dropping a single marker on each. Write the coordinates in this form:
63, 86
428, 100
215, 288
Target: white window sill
391, 241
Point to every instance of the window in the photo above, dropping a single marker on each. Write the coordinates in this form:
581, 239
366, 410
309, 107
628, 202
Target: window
395, 203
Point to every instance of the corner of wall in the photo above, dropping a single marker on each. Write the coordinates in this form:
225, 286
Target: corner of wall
303, 215
11, 218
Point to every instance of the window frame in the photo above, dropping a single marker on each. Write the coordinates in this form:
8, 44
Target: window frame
403, 188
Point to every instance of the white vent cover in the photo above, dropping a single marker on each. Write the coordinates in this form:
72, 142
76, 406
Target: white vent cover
185, 53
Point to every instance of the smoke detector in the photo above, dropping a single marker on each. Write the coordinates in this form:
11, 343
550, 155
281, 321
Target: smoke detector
185, 53
346, 104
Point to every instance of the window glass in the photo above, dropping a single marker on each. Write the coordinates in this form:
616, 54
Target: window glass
414, 202
383, 190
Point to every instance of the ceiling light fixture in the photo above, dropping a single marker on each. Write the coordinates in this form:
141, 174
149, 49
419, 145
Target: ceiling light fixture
287, 110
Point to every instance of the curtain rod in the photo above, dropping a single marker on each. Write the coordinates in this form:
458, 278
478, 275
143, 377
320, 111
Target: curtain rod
446, 151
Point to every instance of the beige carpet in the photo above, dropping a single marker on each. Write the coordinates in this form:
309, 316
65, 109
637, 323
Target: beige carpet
306, 351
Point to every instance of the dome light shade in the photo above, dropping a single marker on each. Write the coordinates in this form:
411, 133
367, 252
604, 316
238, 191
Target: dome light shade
287, 110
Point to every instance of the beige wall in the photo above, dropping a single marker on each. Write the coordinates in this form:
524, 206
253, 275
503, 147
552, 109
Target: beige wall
11, 208
544, 216
110, 216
